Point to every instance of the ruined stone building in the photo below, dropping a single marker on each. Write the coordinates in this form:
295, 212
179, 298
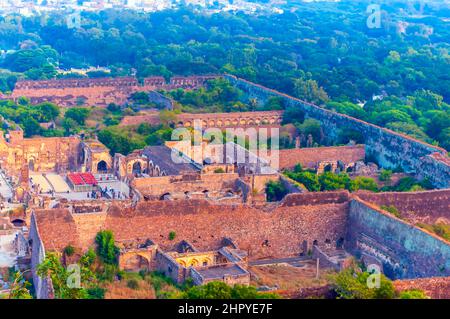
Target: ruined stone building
59, 154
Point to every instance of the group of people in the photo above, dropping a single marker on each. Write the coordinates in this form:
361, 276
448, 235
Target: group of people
109, 193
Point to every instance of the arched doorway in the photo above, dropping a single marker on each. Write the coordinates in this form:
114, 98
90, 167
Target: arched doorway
136, 263
137, 169
102, 167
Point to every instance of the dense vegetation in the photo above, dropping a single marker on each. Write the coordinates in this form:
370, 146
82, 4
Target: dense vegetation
353, 283
326, 54
329, 181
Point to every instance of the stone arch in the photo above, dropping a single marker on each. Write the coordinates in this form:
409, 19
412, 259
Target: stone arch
102, 167
136, 168
242, 122
187, 124
212, 123
194, 262
156, 170
227, 122
180, 123
235, 122
165, 196
206, 262
328, 167
136, 262
18, 222
340, 243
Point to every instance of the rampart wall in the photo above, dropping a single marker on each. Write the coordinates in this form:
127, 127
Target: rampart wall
404, 250
101, 91
278, 232
389, 148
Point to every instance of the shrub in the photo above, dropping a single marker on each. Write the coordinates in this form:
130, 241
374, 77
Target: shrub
220, 290
219, 170
362, 182
413, 294
392, 209
96, 293
352, 284
275, 191
330, 181
133, 284
308, 179
172, 235
69, 250
385, 175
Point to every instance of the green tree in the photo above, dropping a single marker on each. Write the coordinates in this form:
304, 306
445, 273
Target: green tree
311, 126
330, 181
19, 287
361, 182
220, 290
106, 248
78, 114
275, 191
385, 175
353, 284
51, 267
309, 179
69, 125
31, 127
310, 91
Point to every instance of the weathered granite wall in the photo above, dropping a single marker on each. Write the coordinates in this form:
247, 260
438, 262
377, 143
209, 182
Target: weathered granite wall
43, 286
389, 148
404, 250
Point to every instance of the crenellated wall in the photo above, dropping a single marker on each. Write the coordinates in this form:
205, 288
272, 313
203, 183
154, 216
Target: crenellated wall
389, 148
100, 91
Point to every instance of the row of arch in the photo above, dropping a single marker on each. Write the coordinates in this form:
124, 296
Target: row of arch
140, 166
195, 262
234, 122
